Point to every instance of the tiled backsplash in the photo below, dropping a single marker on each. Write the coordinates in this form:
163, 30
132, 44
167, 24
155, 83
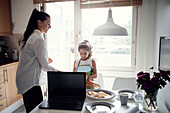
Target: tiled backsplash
12, 42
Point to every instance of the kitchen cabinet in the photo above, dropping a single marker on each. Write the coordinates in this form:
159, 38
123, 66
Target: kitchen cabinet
8, 90
5, 18
2, 91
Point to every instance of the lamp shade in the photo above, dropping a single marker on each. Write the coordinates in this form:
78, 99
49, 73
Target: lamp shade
110, 28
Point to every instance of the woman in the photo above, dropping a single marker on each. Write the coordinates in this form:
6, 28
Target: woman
33, 60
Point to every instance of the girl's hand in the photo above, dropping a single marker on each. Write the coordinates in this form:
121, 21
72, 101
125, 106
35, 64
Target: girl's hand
87, 77
50, 60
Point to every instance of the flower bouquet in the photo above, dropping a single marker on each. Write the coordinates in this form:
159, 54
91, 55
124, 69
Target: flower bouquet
151, 85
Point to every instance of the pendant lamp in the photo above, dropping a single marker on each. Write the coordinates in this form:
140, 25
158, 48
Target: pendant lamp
110, 28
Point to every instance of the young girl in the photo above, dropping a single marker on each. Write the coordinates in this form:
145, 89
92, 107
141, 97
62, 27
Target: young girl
86, 64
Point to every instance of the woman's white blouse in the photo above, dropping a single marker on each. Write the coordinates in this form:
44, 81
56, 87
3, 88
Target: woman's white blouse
33, 63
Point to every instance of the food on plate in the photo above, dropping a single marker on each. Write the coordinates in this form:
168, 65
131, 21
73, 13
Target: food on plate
99, 94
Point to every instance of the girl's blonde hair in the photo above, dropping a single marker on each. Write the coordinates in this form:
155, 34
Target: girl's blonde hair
85, 45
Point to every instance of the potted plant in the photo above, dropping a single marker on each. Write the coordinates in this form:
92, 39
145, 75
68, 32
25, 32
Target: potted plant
151, 85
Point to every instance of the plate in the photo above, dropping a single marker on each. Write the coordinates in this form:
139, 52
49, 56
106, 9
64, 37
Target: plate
100, 107
110, 94
130, 92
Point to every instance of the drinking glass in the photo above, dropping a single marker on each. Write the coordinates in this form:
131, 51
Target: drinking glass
138, 97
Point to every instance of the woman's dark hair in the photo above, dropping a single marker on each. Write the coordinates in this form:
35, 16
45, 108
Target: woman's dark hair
32, 24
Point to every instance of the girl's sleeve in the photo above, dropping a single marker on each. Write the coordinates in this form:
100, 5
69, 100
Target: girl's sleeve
40, 49
91, 59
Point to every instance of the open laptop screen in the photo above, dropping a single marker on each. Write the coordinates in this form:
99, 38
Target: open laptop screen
61, 84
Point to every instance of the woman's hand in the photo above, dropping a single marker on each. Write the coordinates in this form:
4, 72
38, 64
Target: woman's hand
59, 71
50, 60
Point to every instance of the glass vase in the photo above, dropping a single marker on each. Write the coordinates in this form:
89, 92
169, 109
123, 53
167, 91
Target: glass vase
150, 102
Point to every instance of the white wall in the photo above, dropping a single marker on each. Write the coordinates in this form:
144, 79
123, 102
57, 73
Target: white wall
162, 28
162, 23
21, 12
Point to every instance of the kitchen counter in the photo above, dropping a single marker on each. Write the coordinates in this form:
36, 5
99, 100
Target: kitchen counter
8, 63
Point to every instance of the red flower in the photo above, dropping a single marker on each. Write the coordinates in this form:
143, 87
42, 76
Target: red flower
155, 80
147, 85
140, 73
151, 85
144, 76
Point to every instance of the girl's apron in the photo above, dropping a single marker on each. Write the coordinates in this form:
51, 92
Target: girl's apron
90, 84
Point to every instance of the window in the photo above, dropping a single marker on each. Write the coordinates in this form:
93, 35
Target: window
60, 39
111, 52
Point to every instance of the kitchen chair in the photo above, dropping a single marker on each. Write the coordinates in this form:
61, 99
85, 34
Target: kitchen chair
100, 80
124, 83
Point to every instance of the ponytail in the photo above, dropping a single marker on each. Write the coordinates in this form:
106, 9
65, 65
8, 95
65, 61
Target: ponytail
32, 24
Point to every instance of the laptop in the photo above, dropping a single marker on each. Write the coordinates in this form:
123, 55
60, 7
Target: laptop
66, 91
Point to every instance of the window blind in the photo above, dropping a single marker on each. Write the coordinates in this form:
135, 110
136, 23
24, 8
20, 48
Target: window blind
49, 1
108, 3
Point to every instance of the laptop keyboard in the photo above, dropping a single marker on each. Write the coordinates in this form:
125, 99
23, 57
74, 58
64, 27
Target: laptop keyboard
65, 100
